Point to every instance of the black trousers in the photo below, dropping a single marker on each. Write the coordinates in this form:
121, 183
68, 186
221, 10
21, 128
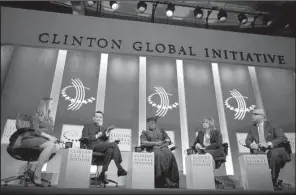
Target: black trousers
111, 151
277, 158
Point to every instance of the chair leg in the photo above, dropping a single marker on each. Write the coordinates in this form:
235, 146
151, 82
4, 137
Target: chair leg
111, 181
13, 178
23, 177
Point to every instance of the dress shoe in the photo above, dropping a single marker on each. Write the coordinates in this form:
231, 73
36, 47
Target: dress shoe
37, 184
277, 188
121, 172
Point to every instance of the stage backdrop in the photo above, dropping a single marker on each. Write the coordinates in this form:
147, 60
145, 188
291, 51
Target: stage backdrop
79, 95
82, 79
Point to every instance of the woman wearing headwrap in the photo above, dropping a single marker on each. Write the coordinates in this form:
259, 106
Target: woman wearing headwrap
157, 140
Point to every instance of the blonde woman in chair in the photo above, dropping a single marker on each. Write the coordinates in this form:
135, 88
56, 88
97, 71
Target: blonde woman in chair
209, 140
36, 133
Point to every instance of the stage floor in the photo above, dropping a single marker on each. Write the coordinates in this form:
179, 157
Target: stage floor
112, 190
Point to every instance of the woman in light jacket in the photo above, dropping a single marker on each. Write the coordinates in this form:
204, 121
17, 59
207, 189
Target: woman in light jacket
34, 132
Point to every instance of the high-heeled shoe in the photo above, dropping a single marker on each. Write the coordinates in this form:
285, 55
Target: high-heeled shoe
37, 184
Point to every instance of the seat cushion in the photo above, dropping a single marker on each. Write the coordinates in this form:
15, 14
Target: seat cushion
98, 154
97, 158
27, 154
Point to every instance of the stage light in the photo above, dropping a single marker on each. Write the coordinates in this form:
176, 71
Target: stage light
222, 16
142, 6
90, 3
198, 13
287, 25
170, 10
267, 21
114, 5
242, 18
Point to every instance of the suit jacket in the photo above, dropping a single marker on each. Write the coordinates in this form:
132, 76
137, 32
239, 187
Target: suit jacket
215, 139
273, 134
90, 131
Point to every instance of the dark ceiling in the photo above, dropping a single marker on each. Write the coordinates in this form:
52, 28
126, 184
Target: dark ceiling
283, 13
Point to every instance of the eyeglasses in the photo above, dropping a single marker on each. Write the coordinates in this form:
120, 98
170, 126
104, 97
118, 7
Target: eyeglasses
255, 114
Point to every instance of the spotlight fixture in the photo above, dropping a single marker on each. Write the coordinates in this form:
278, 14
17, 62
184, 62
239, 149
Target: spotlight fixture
267, 21
170, 10
287, 25
222, 16
198, 13
242, 18
142, 6
90, 3
114, 5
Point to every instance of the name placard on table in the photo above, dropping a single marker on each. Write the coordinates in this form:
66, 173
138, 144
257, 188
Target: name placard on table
141, 171
75, 168
200, 174
255, 173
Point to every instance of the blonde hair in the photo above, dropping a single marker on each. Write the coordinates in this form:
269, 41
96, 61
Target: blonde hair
211, 122
43, 108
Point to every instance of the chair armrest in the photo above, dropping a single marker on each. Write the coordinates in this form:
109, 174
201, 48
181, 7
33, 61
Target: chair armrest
225, 148
173, 148
287, 146
117, 141
84, 142
225, 145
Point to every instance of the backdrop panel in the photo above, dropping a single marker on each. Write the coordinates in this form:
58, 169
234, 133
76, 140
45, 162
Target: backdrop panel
122, 93
277, 89
238, 102
200, 95
162, 100
78, 93
200, 98
29, 79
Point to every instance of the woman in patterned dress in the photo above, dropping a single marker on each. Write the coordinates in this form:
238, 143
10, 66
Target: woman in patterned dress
157, 140
34, 132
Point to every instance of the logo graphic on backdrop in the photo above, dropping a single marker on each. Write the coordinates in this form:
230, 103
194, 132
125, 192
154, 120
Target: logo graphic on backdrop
79, 99
71, 133
164, 105
71, 136
241, 109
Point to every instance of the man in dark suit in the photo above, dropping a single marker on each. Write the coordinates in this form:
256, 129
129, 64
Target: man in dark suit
263, 137
98, 138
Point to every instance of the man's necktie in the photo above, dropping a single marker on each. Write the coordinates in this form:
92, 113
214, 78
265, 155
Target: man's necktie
261, 134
